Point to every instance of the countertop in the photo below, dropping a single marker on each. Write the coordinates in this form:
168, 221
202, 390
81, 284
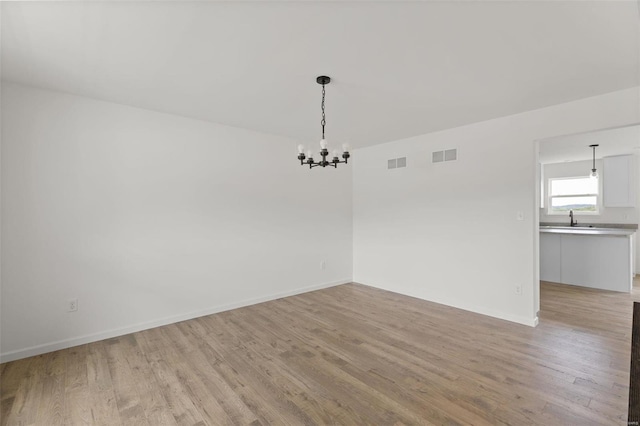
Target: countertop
585, 230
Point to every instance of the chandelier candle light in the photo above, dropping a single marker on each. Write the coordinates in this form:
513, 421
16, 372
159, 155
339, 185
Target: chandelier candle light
324, 151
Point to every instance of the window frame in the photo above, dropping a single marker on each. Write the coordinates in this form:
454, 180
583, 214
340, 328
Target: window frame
575, 212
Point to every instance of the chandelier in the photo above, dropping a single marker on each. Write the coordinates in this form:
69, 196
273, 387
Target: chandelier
324, 151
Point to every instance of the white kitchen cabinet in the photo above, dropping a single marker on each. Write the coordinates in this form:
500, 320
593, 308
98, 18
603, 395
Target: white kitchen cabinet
618, 183
595, 260
550, 257
602, 262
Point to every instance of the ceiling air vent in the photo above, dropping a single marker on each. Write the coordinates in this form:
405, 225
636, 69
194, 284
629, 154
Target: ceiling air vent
445, 155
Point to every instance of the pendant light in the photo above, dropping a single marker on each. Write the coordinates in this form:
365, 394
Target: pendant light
324, 149
594, 172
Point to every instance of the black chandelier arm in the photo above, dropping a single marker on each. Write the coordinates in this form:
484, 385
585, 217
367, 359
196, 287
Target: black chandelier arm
324, 162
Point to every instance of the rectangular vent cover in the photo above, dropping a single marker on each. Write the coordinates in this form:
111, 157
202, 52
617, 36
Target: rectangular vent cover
445, 155
396, 163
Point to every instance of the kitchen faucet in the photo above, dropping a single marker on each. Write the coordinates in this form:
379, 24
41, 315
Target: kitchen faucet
573, 223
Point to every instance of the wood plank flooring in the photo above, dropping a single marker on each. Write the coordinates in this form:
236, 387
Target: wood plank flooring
345, 355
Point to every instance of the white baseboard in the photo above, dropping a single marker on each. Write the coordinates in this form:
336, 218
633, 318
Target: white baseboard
531, 322
81, 340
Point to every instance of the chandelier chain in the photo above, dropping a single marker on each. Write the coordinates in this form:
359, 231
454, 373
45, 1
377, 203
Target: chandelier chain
323, 122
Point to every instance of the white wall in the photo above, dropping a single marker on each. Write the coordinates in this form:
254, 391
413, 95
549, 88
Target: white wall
148, 218
448, 232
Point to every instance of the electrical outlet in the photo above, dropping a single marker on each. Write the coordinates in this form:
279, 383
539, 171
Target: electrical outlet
72, 305
323, 264
518, 289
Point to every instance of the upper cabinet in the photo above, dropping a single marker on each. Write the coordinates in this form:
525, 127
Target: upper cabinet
618, 183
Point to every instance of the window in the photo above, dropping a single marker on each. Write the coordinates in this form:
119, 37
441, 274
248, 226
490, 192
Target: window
579, 194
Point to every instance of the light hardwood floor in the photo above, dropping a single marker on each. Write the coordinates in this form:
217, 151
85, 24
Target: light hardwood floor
345, 355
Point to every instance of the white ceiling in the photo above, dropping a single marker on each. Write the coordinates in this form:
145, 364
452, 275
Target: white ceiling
619, 141
399, 69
